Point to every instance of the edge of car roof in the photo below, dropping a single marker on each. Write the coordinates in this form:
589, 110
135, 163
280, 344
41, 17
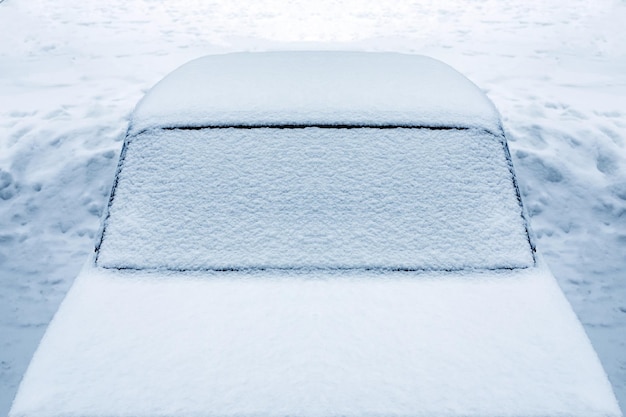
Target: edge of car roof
319, 126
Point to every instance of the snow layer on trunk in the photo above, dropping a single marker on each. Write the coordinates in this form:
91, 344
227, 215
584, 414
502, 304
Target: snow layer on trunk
313, 345
315, 198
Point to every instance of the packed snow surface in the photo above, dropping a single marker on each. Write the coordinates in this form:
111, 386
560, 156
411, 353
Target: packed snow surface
315, 197
315, 344
309, 88
71, 74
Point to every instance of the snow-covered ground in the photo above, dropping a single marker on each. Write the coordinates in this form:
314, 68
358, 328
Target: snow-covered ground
71, 73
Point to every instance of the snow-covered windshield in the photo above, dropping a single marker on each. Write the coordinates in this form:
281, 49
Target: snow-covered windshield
315, 198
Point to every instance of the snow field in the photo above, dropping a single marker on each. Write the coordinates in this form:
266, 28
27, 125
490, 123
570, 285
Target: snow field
71, 73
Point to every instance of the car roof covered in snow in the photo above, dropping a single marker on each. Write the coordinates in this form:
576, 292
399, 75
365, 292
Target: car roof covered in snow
315, 88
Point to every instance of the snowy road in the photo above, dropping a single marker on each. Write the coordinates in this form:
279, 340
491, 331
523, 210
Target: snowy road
71, 73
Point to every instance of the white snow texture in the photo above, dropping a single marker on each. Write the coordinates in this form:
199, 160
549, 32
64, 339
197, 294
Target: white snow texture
315, 198
309, 88
319, 343
71, 73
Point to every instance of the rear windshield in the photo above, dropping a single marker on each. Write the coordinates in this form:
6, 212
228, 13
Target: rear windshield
231, 198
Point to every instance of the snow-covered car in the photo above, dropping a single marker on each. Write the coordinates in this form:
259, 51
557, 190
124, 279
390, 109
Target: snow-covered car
315, 234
